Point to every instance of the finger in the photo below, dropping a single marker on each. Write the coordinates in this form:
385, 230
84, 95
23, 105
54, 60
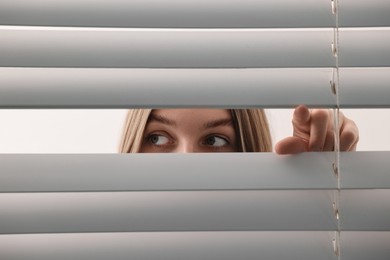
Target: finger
320, 120
353, 147
301, 123
301, 116
349, 136
329, 141
291, 145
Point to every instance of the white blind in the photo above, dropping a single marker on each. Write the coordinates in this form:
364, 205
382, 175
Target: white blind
219, 53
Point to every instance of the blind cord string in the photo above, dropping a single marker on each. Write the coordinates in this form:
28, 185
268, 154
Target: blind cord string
335, 90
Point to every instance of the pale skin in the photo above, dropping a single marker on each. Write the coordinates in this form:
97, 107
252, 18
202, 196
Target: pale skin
212, 130
189, 131
313, 130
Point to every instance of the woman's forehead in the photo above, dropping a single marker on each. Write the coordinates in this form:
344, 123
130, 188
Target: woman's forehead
200, 119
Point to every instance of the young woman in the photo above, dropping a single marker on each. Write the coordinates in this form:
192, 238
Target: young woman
234, 130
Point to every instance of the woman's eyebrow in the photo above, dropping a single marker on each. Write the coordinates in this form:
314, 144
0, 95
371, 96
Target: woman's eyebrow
161, 119
217, 122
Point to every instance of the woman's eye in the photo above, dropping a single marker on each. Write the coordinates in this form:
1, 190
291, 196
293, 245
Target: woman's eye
158, 139
216, 141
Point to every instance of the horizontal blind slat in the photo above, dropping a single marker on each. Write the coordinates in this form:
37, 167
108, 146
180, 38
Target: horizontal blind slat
166, 211
233, 88
365, 245
365, 210
364, 47
364, 13
170, 246
191, 48
167, 13
364, 87
192, 211
292, 245
227, 171
134, 172
112, 88
365, 170
195, 14
176, 48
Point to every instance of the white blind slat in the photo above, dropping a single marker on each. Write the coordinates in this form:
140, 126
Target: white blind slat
174, 13
168, 13
192, 211
365, 170
371, 13
365, 210
364, 87
364, 47
124, 88
192, 48
226, 171
214, 171
70, 87
170, 246
365, 245
166, 211
292, 245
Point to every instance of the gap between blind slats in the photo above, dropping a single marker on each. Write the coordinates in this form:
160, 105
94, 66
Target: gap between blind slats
186, 48
126, 88
195, 246
193, 14
227, 171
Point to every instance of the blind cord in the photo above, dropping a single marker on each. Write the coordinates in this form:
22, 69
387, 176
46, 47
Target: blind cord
335, 90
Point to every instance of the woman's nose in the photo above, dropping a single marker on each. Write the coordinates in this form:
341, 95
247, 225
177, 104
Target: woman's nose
186, 147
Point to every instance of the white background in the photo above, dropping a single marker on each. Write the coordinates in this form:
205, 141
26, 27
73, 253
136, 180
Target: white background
99, 131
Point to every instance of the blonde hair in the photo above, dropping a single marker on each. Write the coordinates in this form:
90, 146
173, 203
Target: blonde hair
251, 127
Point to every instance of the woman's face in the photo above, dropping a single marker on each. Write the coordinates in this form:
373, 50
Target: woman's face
189, 131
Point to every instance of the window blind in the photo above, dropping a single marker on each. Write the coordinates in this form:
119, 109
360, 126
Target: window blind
124, 54
59, 206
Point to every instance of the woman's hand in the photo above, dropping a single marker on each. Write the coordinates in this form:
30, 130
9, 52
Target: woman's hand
313, 131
